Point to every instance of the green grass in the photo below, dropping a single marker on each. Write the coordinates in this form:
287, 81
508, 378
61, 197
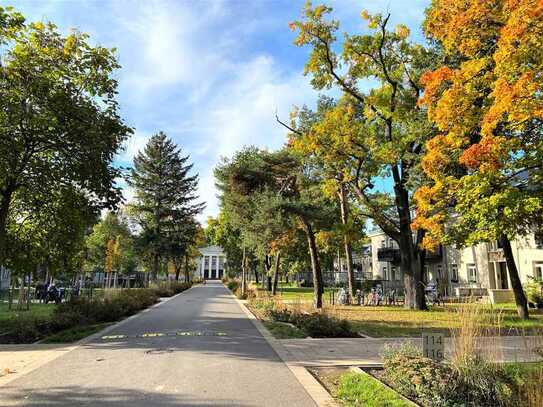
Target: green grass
361, 389
76, 333
37, 310
395, 321
281, 330
297, 293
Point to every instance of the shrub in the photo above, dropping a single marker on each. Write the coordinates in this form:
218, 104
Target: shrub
470, 382
534, 291
323, 326
428, 381
233, 285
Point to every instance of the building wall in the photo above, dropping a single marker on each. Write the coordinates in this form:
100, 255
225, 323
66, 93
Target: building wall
483, 259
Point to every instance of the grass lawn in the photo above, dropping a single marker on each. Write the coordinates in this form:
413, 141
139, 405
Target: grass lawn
281, 330
37, 310
395, 321
76, 333
297, 293
361, 389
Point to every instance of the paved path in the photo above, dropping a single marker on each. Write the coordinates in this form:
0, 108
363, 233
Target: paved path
364, 351
230, 364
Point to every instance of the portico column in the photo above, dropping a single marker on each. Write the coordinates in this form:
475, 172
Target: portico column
202, 266
217, 265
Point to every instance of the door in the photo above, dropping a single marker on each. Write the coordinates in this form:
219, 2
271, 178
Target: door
213, 274
220, 274
503, 284
206, 274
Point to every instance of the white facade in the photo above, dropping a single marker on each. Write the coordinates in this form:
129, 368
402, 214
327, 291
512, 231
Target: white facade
479, 268
212, 263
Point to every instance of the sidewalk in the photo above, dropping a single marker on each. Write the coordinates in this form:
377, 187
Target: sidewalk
17, 360
361, 351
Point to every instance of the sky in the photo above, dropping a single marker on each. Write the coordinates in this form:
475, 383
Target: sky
209, 73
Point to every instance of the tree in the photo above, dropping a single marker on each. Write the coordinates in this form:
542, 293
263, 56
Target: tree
112, 235
393, 128
60, 125
50, 236
320, 136
164, 194
486, 100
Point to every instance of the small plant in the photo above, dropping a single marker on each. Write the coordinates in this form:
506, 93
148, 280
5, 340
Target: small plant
534, 291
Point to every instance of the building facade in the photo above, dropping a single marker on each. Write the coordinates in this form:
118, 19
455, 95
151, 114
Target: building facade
477, 270
5, 278
212, 263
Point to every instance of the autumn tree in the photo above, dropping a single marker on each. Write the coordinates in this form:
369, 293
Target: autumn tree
486, 100
165, 195
379, 133
59, 122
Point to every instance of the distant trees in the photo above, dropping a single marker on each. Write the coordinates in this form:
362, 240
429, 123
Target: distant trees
165, 200
269, 196
110, 246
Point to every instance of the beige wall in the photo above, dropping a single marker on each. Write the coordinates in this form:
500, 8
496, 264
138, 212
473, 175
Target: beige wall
526, 254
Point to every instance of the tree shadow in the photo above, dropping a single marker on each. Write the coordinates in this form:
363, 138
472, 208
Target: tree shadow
103, 396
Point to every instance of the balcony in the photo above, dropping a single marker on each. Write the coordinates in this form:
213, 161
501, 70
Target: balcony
496, 255
433, 256
388, 254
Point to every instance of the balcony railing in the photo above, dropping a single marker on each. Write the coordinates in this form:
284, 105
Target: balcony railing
496, 255
388, 254
434, 255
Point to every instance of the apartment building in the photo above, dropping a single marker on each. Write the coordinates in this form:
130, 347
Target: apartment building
478, 270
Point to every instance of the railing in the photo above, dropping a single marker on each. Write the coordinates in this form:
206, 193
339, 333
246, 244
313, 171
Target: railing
388, 254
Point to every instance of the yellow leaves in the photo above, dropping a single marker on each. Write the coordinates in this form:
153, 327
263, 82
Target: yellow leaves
38, 26
402, 31
365, 15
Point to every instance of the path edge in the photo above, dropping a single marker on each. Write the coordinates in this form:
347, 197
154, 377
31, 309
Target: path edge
312, 386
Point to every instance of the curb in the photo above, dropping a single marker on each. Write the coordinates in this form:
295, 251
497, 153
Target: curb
316, 391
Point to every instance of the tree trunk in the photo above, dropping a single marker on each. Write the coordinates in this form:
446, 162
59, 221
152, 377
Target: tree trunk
344, 207
156, 266
411, 260
520, 297
276, 272
256, 276
5, 202
318, 288
187, 268
268, 266
244, 272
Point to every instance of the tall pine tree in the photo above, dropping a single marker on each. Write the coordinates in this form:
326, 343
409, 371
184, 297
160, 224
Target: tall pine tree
165, 195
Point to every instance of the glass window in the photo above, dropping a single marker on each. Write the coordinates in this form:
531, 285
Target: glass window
454, 272
385, 276
538, 270
472, 273
383, 243
538, 240
439, 270
393, 275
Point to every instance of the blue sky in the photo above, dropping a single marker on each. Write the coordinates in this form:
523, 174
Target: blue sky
211, 74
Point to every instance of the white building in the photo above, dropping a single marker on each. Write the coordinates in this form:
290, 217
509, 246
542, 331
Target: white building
212, 263
479, 269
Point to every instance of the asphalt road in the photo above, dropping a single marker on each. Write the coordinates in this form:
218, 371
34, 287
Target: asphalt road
198, 349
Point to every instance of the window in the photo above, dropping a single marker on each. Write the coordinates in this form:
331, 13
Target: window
383, 243
538, 240
393, 275
538, 270
454, 273
385, 277
439, 271
472, 273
